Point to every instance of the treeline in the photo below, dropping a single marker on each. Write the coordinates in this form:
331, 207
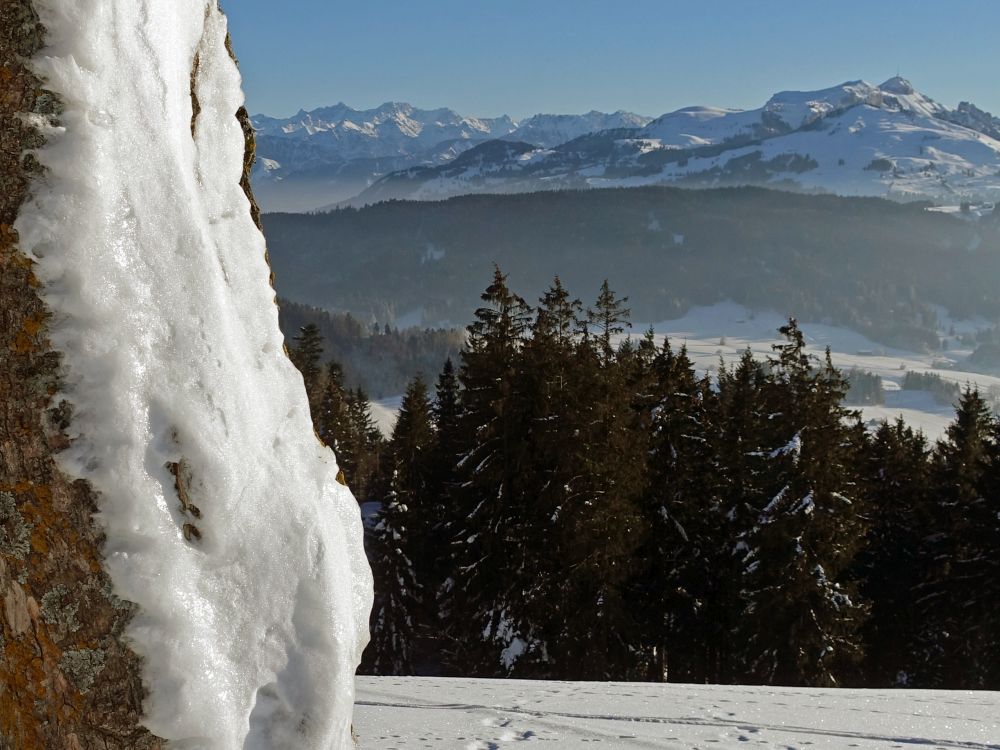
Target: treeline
864, 388
565, 507
871, 265
380, 359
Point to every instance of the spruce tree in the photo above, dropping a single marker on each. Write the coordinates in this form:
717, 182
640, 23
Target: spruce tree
606, 319
361, 448
803, 611
331, 419
738, 433
959, 599
892, 568
680, 506
446, 413
306, 354
484, 605
400, 620
599, 527
552, 384
444, 455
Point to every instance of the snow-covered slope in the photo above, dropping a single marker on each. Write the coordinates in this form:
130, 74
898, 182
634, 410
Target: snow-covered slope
224, 520
551, 130
324, 156
416, 712
855, 138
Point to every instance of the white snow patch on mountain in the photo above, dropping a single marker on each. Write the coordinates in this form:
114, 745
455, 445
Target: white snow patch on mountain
701, 126
253, 591
551, 130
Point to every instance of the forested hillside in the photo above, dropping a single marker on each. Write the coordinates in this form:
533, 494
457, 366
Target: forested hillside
560, 507
872, 265
381, 359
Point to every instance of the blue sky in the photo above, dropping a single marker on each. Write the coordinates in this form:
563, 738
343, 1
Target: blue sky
647, 56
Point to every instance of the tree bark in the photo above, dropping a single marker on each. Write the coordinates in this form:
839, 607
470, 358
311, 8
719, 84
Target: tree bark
68, 678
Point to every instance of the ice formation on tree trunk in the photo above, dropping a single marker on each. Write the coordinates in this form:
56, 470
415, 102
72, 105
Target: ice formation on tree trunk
224, 519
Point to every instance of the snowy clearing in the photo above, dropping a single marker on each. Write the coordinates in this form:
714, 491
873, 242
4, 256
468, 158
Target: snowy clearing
726, 329
420, 712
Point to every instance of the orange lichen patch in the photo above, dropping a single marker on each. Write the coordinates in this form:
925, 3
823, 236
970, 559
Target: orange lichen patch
27, 338
39, 543
37, 686
33, 325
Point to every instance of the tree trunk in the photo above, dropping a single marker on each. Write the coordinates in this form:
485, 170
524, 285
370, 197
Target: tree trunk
67, 677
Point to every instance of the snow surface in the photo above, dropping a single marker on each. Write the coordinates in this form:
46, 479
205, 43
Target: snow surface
385, 412
419, 712
253, 609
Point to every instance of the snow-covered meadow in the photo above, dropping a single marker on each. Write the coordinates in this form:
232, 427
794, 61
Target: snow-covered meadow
724, 331
419, 712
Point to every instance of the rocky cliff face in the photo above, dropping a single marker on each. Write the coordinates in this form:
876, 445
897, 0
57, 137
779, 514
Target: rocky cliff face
67, 680
67, 677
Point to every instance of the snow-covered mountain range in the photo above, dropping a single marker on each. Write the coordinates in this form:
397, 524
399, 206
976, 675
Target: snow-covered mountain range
333, 153
855, 138
852, 139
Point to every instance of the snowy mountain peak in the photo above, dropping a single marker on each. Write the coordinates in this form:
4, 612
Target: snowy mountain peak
898, 85
546, 130
798, 109
855, 137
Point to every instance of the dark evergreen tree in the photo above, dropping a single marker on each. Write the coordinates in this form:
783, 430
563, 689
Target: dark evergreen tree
551, 387
444, 455
599, 527
307, 354
447, 411
361, 448
331, 419
803, 612
739, 434
608, 318
960, 597
402, 617
892, 568
680, 506
488, 531
410, 467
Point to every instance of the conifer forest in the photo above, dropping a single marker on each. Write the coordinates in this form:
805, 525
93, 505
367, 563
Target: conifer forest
565, 502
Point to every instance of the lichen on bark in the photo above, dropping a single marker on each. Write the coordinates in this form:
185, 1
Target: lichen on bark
56, 622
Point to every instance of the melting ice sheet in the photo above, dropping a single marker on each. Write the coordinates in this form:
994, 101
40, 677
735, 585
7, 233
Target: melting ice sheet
224, 520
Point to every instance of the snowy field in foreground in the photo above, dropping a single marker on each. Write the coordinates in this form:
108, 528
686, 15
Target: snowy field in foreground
420, 712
